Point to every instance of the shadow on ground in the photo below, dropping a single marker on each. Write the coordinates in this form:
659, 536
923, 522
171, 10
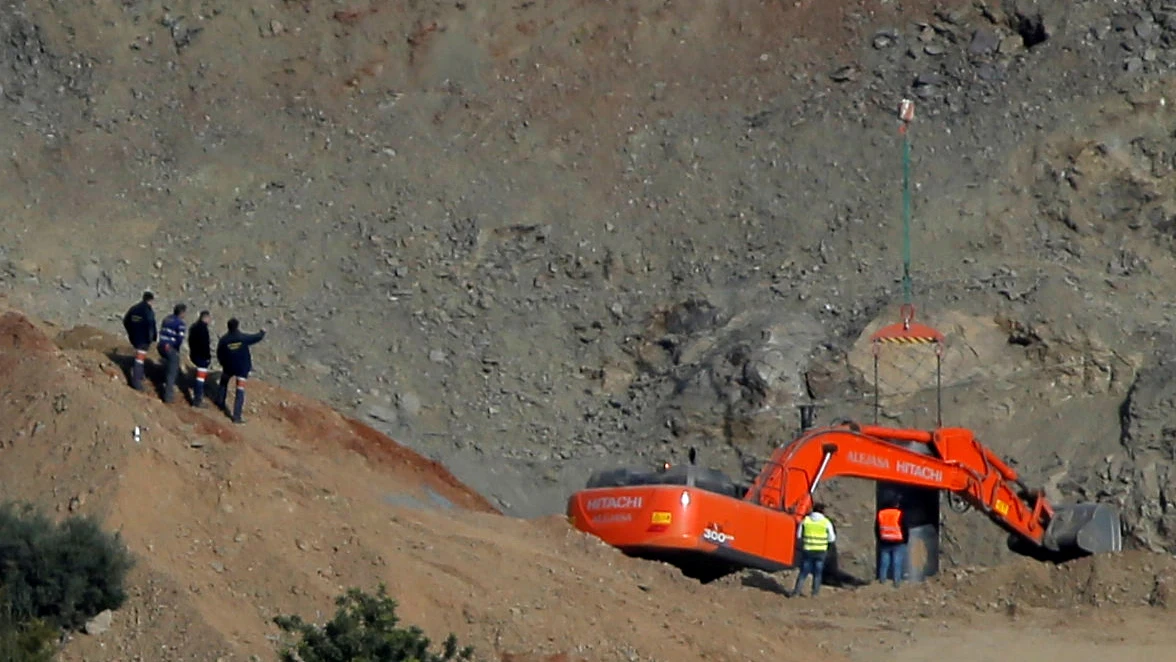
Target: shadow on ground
154, 373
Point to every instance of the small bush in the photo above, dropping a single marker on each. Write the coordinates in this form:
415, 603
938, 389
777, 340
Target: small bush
364, 629
25, 641
61, 574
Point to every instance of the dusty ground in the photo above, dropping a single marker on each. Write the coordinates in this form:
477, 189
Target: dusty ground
232, 525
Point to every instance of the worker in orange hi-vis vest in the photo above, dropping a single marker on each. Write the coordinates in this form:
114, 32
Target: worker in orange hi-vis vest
892, 532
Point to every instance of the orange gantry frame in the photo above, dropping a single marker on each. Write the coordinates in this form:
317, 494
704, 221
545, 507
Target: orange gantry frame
908, 332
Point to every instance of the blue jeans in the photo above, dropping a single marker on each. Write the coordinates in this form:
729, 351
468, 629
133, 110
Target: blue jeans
811, 563
892, 561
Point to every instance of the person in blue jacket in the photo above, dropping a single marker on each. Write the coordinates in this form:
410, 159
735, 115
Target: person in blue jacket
171, 338
232, 353
139, 323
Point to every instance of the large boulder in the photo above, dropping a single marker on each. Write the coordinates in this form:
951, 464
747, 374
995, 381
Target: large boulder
975, 349
980, 353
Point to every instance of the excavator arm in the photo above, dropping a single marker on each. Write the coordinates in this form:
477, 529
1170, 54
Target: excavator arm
958, 463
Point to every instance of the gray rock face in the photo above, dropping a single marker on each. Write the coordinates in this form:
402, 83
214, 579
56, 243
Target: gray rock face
1147, 484
736, 385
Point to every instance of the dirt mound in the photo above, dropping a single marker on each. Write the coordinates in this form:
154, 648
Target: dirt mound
1133, 579
18, 336
232, 525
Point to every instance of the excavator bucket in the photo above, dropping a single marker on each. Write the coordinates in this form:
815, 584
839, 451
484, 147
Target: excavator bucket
1084, 529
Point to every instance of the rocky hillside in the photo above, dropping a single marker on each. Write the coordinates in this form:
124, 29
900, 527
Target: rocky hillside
232, 525
531, 239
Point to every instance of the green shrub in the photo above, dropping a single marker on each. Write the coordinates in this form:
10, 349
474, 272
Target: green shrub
62, 574
364, 629
31, 640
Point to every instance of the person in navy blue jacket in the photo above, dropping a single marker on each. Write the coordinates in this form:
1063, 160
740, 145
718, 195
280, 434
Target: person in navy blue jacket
139, 323
232, 353
171, 338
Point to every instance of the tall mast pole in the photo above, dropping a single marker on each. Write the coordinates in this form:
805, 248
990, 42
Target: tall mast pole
906, 114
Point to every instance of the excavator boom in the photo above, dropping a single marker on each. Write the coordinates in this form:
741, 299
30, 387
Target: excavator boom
958, 463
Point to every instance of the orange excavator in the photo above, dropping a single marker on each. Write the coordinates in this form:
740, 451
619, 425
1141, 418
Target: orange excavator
702, 522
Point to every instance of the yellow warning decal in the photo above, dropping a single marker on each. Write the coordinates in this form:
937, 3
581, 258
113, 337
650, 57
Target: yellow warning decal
1001, 507
909, 340
661, 517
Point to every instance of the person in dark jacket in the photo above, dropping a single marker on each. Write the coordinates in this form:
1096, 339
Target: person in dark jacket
232, 352
139, 323
171, 338
200, 351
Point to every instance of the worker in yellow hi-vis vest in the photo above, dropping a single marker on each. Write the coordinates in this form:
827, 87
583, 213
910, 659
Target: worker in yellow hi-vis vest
814, 534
